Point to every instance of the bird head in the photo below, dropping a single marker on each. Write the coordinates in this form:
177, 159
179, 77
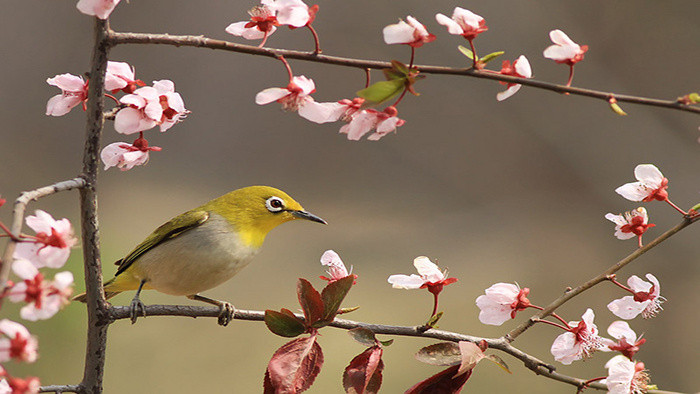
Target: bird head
255, 210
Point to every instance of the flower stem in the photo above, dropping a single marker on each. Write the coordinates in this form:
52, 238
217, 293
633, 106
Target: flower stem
435, 304
620, 285
474, 57
286, 65
400, 97
9, 233
554, 315
551, 323
571, 75
264, 40
367, 77
676, 207
113, 98
413, 56
585, 384
318, 45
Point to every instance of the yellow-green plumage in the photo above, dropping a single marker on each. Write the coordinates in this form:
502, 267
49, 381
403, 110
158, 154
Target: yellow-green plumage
206, 246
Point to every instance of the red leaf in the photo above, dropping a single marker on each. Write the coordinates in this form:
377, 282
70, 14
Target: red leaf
284, 323
310, 300
443, 382
332, 296
364, 374
294, 366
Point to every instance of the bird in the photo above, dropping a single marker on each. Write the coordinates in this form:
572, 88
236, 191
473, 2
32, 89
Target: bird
204, 247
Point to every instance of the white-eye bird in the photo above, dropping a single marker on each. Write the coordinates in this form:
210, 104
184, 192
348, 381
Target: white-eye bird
204, 247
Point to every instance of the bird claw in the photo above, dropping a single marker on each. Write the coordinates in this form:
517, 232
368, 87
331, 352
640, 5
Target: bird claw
136, 307
226, 313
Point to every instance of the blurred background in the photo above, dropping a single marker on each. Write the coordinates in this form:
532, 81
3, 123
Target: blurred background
496, 192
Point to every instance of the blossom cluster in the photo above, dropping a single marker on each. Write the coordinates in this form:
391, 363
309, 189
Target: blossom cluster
49, 248
140, 109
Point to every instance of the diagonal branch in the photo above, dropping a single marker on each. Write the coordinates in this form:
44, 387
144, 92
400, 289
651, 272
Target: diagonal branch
117, 38
537, 366
571, 293
18, 218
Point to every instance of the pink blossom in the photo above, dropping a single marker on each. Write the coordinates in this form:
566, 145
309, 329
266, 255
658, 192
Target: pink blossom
579, 342
294, 13
52, 243
463, 22
336, 268
627, 342
44, 299
646, 300
625, 376
651, 185
74, 90
120, 76
501, 302
366, 120
262, 24
520, 68
564, 49
344, 109
429, 276
126, 156
294, 96
29, 385
632, 224
98, 8
4, 385
18, 344
150, 106
411, 32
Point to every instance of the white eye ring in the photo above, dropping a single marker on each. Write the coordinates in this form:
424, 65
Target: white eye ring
274, 204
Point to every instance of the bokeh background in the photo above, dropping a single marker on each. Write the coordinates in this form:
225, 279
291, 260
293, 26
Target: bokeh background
513, 191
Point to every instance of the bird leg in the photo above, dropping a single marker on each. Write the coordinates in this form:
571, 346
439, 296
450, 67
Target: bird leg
227, 310
136, 304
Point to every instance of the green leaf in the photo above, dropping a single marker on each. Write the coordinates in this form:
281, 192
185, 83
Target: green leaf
310, 301
387, 342
491, 56
433, 320
363, 335
342, 311
617, 109
694, 98
498, 361
400, 67
284, 323
467, 52
382, 91
443, 353
696, 207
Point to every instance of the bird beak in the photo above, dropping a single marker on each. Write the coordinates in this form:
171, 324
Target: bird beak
307, 216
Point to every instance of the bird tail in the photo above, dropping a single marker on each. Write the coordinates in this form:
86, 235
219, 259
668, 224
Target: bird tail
108, 293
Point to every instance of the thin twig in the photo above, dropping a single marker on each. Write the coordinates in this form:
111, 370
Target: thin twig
549, 309
534, 364
57, 388
18, 218
117, 38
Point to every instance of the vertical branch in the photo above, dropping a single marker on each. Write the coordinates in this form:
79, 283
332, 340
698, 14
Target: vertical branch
97, 312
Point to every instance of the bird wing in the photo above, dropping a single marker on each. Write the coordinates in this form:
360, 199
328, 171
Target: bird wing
169, 230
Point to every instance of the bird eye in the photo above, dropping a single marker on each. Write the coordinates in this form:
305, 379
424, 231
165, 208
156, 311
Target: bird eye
274, 204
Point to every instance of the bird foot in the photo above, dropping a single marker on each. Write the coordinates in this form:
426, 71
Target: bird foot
226, 314
136, 307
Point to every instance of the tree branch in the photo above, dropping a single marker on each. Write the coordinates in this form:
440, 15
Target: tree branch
117, 38
571, 293
57, 388
18, 218
96, 306
530, 362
